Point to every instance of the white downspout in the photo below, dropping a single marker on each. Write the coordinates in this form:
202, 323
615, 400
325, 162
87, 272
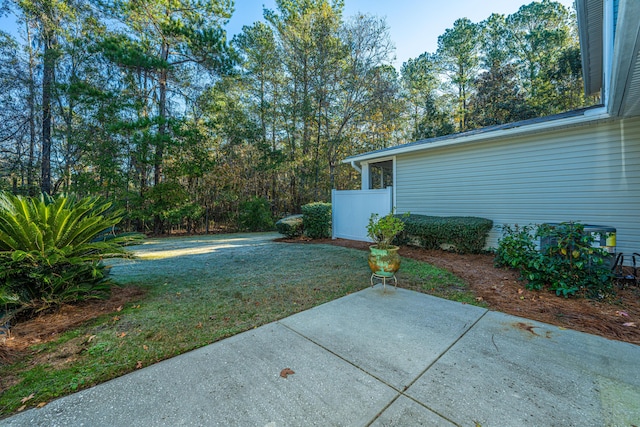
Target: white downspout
364, 175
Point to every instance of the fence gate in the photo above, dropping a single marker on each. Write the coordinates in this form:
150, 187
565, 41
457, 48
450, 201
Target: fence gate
351, 210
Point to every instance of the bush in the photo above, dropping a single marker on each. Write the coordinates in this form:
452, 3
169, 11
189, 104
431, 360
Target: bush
51, 249
255, 215
567, 265
516, 247
458, 234
316, 220
290, 226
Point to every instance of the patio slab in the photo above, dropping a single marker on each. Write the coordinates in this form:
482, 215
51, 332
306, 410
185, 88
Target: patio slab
397, 358
513, 371
407, 412
393, 335
235, 382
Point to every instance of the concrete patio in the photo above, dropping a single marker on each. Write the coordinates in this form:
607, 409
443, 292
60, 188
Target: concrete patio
373, 358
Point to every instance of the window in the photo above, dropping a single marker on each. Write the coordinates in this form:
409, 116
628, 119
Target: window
381, 175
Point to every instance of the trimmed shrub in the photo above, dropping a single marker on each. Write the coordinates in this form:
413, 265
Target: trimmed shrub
255, 215
290, 226
51, 249
457, 234
316, 220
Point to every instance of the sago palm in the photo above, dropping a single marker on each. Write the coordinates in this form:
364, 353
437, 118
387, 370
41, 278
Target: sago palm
51, 248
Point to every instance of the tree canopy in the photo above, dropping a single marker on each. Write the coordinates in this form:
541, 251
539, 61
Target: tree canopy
150, 104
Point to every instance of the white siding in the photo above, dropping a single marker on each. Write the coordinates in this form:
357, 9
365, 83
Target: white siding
589, 173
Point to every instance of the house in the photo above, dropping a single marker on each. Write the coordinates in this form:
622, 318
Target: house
581, 165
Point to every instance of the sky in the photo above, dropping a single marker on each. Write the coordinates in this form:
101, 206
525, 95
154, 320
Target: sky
414, 25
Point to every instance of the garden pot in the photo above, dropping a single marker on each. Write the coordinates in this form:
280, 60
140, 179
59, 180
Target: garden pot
384, 262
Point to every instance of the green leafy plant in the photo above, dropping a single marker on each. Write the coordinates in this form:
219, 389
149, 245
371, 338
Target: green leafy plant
51, 249
517, 247
290, 226
255, 215
382, 230
567, 263
571, 263
316, 220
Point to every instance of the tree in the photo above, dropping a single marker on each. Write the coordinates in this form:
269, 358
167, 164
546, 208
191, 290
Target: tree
304, 29
458, 54
539, 33
165, 41
382, 122
14, 121
47, 18
263, 80
499, 96
421, 83
366, 89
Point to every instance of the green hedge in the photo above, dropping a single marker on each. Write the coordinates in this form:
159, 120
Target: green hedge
317, 220
290, 226
458, 234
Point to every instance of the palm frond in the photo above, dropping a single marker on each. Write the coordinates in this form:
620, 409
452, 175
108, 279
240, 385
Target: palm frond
51, 248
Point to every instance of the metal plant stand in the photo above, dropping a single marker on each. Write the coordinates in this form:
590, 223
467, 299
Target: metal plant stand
384, 280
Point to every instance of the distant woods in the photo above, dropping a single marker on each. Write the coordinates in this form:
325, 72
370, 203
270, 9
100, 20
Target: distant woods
149, 104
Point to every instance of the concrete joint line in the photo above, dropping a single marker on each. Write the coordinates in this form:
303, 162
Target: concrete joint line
401, 392
339, 357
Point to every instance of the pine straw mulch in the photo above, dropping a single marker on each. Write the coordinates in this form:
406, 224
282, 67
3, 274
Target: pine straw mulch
617, 318
47, 326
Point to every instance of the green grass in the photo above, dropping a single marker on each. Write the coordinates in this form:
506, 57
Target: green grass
422, 277
198, 292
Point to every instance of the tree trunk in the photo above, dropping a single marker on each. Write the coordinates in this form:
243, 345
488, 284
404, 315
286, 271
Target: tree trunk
162, 113
48, 75
31, 99
162, 131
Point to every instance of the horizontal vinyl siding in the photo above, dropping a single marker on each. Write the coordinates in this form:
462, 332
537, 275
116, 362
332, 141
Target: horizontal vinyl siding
588, 173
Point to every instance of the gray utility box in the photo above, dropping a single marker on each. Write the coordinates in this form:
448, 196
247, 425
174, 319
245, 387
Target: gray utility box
603, 237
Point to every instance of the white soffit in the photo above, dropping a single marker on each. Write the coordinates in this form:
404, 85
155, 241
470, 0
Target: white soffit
590, 25
625, 76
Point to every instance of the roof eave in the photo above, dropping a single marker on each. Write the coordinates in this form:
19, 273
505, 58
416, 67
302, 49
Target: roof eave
588, 116
590, 25
625, 75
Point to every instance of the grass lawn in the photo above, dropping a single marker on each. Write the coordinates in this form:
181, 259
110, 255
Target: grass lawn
200, 290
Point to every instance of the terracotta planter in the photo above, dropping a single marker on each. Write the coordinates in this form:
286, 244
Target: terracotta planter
384, 262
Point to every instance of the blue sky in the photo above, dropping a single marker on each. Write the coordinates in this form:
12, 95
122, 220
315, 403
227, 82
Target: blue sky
414, 24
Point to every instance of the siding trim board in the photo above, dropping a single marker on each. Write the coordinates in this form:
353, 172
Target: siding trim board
588, 173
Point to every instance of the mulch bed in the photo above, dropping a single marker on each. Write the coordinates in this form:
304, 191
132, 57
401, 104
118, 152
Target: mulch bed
48, 326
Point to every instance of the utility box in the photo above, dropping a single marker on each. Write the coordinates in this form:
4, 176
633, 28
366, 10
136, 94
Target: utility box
604, 237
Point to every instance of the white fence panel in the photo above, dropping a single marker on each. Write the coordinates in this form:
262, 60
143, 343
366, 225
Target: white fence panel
352, 209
